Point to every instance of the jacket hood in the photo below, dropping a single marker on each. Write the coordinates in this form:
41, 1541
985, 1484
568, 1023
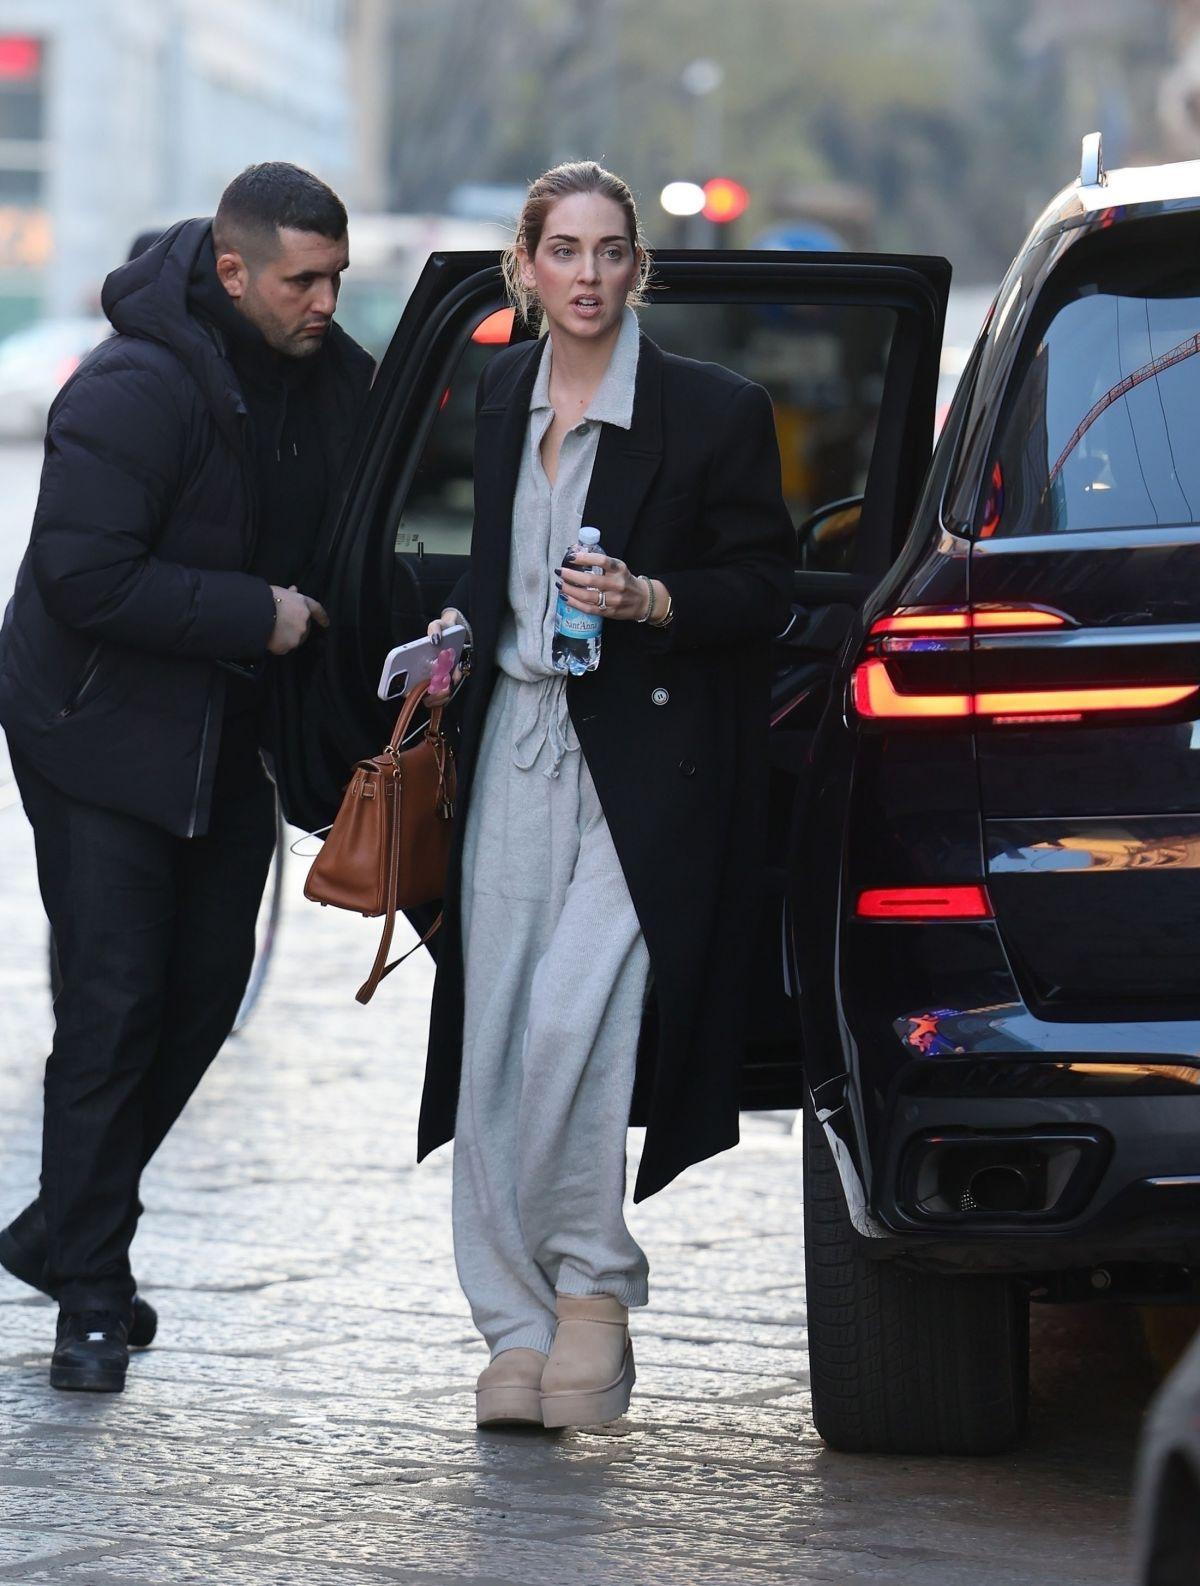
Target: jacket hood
148, 298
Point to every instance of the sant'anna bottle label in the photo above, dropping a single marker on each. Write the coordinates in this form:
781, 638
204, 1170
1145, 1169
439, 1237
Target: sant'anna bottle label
576, 647
574, 624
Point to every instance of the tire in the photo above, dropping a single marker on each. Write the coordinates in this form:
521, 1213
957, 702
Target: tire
905, 1362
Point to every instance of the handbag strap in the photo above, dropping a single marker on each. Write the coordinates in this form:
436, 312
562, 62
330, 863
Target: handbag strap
380, 969
378, 972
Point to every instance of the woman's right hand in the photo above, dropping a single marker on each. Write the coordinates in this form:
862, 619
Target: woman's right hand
450, 617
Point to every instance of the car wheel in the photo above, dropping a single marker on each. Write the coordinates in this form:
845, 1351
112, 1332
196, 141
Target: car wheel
905, 1362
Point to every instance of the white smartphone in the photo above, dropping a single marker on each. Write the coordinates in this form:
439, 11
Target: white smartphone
412, 663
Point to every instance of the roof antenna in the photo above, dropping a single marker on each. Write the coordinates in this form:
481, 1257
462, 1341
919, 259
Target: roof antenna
1092, 172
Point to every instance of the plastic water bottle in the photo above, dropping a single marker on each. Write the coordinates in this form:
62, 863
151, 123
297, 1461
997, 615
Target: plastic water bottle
576, 647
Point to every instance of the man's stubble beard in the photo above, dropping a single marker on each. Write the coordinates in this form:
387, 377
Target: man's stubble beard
303, 347
289, 344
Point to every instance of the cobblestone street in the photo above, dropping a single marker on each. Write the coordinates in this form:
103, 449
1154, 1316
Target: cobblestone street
307, 1414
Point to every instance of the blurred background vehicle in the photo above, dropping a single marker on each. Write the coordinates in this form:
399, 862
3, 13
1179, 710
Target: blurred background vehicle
35, 363
387, 254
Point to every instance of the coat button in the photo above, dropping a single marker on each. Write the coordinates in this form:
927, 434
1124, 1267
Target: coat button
660, 696
687, 768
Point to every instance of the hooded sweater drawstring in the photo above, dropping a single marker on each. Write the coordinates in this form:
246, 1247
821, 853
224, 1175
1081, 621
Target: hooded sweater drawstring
544, 719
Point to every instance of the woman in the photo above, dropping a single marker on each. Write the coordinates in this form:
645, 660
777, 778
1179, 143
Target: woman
602, 894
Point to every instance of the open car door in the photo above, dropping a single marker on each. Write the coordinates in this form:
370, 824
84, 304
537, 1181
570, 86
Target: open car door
847, 346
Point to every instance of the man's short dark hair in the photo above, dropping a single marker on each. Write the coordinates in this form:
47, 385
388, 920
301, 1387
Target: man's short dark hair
267, 198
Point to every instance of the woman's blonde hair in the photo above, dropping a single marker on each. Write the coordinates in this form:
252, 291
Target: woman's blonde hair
580, 176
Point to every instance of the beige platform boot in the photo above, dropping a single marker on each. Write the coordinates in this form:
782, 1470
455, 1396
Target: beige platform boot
589, 1376
508, 1392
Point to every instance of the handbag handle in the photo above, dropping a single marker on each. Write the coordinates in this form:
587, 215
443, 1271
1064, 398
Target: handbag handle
404, 719
434, 734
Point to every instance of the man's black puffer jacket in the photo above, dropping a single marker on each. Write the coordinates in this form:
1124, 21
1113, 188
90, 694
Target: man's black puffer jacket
133, 589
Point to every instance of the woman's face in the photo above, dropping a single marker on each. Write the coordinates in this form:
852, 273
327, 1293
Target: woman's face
584, 266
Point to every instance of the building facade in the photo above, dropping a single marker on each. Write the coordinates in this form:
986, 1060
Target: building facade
119, 115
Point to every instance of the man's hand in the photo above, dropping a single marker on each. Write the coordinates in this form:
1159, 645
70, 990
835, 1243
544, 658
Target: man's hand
294, 614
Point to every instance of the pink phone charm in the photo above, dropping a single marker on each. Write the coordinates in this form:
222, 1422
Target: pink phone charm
439, 678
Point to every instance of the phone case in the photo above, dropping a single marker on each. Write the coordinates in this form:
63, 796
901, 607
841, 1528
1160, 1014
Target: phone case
413, 663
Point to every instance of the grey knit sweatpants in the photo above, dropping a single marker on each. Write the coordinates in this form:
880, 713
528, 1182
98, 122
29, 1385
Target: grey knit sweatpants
556, 972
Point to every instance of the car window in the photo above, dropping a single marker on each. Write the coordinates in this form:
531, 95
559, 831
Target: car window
1098, 429
822, 366
436, 516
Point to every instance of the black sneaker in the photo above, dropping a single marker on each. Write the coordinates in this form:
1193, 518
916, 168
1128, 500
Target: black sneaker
23, 1254
91, 1352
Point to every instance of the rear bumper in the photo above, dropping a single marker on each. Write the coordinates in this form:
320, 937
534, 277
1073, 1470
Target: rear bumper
1142, 1205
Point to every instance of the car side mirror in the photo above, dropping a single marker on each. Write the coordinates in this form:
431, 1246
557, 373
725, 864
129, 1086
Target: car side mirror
825, 539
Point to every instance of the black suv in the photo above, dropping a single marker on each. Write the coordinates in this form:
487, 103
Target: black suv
980, 966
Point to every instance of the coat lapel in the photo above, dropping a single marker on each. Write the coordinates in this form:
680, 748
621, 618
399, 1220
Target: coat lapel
627, 460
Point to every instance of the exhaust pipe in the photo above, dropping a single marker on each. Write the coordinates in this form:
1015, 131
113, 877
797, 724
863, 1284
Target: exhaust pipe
999, 1188
967, 1175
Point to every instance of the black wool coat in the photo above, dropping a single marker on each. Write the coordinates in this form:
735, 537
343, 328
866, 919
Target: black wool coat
673, 723
134, 597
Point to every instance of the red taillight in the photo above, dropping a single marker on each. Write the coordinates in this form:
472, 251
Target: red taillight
1016, 619
922, 622
911, 630
1008, 619
924, 903
1056, 701
876, 698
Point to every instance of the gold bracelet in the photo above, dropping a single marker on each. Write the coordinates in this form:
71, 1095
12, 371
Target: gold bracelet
669, 614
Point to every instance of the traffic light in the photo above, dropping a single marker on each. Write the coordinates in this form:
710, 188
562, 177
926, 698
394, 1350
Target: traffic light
724, 200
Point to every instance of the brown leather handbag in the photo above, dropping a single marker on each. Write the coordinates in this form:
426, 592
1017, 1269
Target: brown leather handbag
389, 846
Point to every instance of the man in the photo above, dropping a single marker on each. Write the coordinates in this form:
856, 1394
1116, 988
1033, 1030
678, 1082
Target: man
189, 463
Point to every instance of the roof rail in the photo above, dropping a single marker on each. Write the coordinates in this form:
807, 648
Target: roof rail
1092, 172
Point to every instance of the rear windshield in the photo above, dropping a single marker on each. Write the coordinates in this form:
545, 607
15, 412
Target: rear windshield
1100, 430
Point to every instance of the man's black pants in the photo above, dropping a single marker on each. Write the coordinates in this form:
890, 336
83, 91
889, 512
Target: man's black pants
155, 942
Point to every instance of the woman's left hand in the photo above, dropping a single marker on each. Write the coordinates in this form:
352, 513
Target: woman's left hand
625, 596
